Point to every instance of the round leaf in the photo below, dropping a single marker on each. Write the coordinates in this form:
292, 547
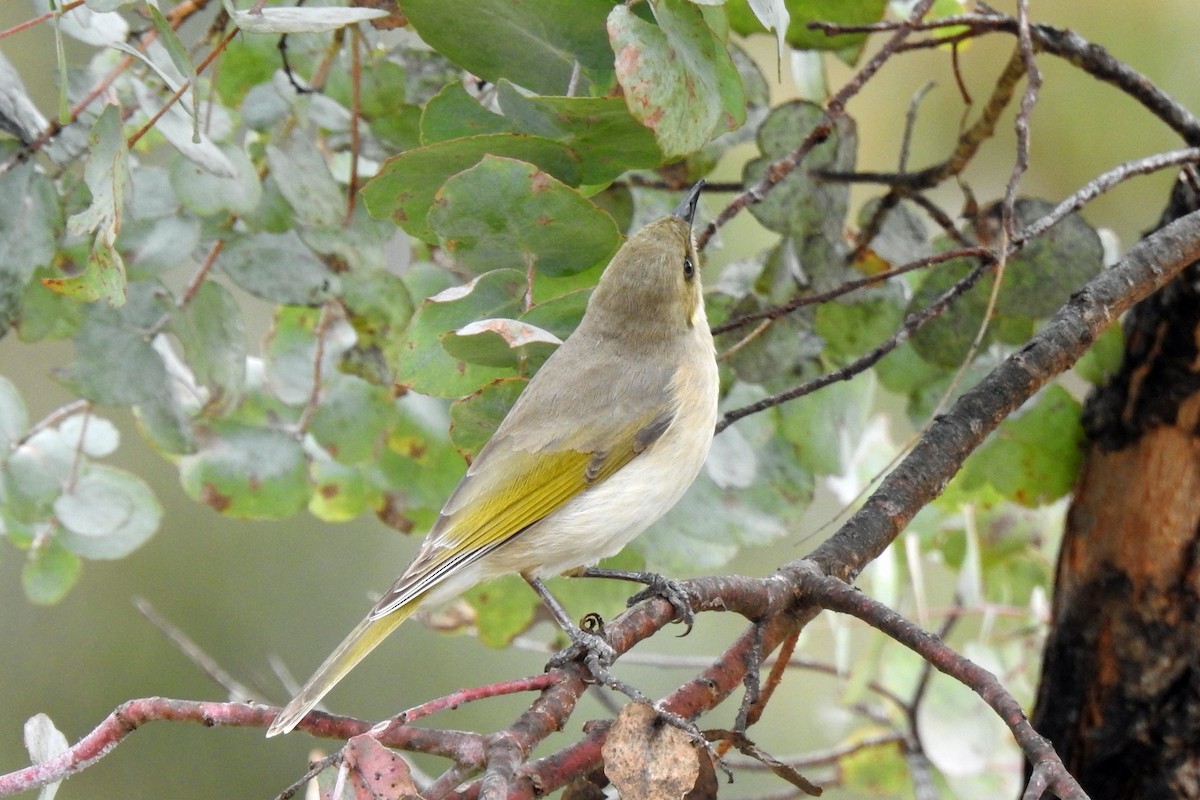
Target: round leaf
425, 365
341, 492
250, 473
405, 185
507, 214
278, 268
800, 204
1041, 277
679, 79
535, 45
353, 418
205, 193
107, 514
49, 574
95, 436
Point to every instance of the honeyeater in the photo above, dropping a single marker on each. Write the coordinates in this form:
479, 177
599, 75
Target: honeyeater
603, 441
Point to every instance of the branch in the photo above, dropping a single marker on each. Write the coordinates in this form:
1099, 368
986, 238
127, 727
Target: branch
835, 595
1064, 43
912, 322
921, 476
916, 319
835, 108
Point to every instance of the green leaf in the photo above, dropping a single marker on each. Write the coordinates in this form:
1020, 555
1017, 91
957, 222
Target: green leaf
784, 350
114, 364
49, 574
181, 60
875, 771
353, 419
382, 86
37, 470
206, 193
454, 114
29, 232
155, 246
340, 491
425, 365
822, 425
501, 343
272, 214
290, 352
504, 608
213, 336
14, 417
1032, 459
846, 12
162, 420
47, 315
303, 177
1103, 358
536, 45
601, 130
474, 418
946, 339
801, 205
247, 472
107, 514
559, 314
419, 468
247, 61
91, 435
506, 214
378, 306
405, 185
107, 177
1040, 278
851, 329
278, 268
678, 78
902, 238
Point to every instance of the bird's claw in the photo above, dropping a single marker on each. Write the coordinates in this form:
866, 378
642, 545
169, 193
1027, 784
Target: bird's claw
671, 591
595, 650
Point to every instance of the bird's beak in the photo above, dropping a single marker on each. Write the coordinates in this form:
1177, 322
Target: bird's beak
687, 209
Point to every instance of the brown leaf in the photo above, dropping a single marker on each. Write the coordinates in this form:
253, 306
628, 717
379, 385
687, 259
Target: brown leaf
648, 759
376, 773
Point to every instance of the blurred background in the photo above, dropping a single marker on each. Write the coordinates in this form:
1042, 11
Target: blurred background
248, 593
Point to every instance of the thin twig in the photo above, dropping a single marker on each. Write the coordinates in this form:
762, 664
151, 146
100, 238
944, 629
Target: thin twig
775, 312
912, 322
1033, 82
836, 107
194, 653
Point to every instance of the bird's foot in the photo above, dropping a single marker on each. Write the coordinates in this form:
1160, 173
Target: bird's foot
656, 586
589, 644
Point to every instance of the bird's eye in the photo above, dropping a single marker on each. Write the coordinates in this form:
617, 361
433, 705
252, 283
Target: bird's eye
689, 269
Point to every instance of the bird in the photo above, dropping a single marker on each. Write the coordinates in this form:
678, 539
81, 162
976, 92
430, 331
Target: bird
605, 438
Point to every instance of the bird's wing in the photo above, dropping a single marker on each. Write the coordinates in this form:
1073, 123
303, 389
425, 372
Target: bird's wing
527, 471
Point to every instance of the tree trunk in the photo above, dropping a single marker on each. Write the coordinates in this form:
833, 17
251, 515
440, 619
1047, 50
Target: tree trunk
1120, 685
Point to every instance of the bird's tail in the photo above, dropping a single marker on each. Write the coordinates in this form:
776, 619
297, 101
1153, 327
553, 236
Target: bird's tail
353, 649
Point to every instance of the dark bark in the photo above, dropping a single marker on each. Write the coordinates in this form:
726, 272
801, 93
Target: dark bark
1120, 687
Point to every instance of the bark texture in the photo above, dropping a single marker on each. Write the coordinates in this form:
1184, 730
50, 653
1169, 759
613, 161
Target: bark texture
1120, 687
